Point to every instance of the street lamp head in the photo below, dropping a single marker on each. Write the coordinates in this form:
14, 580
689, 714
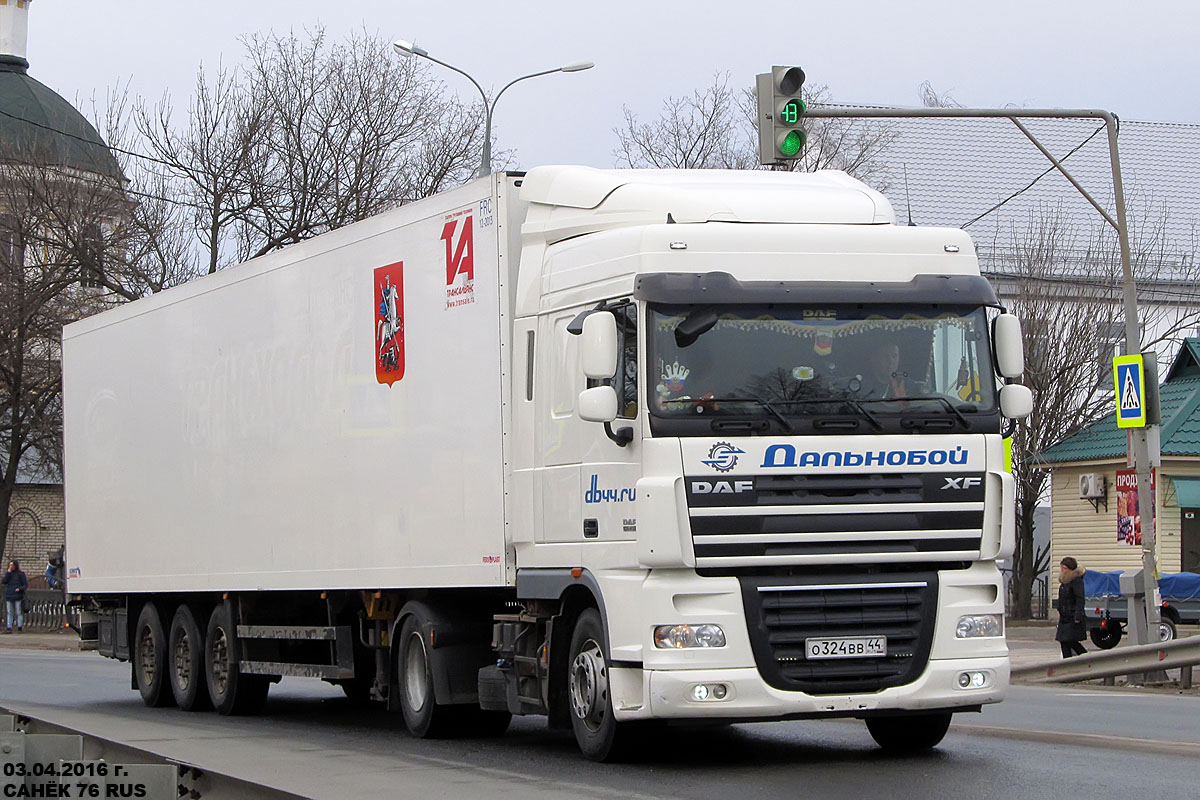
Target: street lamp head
578, 66
406, 49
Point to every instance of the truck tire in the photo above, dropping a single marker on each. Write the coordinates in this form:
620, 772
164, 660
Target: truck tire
1106, 638
150, 665
231, 692
185, 649
1167, 632
423, 717
599, 736
910, 733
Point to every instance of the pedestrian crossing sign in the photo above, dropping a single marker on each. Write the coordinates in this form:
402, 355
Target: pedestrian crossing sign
1129, 378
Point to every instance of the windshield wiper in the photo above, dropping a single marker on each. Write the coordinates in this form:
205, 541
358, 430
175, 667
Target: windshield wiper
774, 412
937, 398
848, 401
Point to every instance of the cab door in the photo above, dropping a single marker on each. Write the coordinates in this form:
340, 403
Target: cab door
588, 481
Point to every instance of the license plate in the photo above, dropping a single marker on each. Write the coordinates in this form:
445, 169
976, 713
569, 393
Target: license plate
846, 647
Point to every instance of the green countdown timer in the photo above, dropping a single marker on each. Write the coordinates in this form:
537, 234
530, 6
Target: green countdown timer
791, 144
791, 111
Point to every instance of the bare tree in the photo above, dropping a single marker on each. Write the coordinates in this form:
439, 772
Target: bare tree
307, 136
931, 99
716, 128
705, 130
1065, 285
50, 244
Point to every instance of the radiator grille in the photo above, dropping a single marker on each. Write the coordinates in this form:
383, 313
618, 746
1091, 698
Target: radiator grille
781, 616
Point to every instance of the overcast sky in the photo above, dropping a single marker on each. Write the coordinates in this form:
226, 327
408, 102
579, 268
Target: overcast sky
1140, 59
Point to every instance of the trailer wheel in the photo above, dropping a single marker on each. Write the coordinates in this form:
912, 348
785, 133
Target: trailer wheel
185, 647
231, 691
910, 733
1106, 638
599, 736
150, 659
423, 717
1167, 632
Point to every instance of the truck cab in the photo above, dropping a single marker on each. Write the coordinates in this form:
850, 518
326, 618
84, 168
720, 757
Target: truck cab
760, 426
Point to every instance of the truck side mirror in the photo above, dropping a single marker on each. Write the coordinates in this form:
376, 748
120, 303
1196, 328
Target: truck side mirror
599, 346
1016, 401
1010, 356
598, 404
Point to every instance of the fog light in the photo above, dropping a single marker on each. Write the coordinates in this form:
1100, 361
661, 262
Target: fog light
974, 680
679, 636
974, 626
708, 692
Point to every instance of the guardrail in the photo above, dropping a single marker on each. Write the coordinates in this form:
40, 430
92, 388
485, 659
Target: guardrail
1130, 660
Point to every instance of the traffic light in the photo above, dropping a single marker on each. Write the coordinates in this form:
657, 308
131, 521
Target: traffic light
780, 111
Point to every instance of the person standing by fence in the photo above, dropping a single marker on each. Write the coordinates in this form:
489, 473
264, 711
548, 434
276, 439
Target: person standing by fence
15, 586
1071, 631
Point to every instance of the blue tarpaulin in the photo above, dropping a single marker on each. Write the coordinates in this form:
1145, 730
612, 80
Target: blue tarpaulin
1179, 586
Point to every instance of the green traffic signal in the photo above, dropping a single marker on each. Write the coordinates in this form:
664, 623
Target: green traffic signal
792, 143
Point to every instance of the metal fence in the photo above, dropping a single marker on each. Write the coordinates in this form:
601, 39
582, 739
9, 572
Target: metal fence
1039, 600
49, 611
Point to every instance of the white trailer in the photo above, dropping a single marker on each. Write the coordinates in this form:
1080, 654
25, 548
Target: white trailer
609, 446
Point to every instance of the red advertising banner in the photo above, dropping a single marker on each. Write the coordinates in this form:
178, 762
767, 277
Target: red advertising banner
389, 323
1129, 521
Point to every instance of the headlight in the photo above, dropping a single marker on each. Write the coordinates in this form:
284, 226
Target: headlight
679, 636
973, 626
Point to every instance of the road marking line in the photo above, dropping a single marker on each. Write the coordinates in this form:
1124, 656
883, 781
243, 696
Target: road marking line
1126, 743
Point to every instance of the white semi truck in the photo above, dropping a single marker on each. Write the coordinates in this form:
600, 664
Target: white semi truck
608, 446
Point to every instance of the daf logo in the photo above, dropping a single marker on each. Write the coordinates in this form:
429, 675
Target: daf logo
962, 483
722, 487
722, 457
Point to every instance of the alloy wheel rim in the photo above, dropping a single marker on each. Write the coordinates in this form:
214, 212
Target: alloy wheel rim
589, 686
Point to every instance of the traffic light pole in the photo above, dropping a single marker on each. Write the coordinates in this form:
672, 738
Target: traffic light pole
1144, 623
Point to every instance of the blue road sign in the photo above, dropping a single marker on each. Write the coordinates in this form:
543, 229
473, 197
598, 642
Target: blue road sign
1129, 379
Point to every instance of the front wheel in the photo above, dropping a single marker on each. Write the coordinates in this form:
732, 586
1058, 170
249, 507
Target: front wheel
599, 736
910, 733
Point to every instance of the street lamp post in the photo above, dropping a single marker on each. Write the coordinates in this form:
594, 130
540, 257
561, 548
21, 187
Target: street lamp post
407, 49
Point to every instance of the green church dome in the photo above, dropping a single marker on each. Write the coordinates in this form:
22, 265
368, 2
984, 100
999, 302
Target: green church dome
37, 125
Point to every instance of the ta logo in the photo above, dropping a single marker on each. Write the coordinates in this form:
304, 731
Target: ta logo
722, 457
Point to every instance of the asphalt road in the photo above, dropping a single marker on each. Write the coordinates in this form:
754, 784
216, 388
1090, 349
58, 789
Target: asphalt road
1041, 742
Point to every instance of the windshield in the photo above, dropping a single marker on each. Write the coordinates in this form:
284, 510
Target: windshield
879, 365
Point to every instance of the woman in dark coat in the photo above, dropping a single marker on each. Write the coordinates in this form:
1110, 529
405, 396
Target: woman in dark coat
1071, 630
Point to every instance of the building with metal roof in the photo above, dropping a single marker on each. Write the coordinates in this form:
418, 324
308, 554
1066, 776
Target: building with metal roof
1091, 489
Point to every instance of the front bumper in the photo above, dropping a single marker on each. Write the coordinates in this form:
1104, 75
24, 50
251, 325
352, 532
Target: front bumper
667, 694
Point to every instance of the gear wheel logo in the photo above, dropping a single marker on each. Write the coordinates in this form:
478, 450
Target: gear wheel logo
723, 456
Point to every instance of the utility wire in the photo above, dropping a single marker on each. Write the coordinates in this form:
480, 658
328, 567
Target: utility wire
1030, 185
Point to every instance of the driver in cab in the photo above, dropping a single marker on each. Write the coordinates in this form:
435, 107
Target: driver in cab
884, 380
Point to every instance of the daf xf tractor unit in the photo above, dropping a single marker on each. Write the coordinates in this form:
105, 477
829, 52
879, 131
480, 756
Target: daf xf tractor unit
609, 446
